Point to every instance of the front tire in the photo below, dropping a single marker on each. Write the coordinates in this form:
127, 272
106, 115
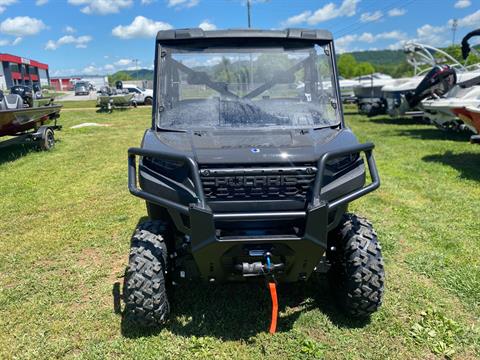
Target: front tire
145, 294
357, 274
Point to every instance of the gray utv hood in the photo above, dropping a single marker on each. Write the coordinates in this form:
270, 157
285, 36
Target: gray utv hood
250, 146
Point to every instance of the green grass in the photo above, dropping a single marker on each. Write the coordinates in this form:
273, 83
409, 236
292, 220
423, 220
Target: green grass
72, 104
67, 218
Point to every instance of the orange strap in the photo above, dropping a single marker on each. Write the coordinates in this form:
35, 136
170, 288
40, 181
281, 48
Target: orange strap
273, 294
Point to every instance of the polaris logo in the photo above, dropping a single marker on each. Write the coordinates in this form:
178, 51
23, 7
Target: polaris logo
256, 181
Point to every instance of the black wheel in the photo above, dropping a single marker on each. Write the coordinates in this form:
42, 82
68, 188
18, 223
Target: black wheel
148, 101
146, 303
47, 142
356, 274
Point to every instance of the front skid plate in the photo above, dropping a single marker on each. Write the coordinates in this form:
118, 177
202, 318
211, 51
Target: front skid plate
208, 250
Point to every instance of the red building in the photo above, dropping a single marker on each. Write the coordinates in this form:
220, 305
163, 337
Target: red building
16, 70
63, 83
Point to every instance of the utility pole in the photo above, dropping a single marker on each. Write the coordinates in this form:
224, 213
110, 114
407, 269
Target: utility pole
136, 68
249, 14
454, 30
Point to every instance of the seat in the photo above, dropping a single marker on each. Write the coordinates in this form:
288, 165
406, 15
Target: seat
13, 102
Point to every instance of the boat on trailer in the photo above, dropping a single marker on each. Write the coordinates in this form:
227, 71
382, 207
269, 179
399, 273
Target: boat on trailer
24, 122
117, 98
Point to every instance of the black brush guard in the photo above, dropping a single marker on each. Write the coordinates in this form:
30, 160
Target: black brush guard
215, 255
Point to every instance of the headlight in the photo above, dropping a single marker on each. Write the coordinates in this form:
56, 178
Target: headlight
173, 169
342, 163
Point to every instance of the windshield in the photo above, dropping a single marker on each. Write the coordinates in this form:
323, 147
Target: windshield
244, 88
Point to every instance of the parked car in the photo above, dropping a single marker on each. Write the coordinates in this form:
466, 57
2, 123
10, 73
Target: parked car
141, 96
82, 88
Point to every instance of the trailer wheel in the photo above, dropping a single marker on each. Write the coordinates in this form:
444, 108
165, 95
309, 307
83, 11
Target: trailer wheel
47, 141
357, 273
146, 303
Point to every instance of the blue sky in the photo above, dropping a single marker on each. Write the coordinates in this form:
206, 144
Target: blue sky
102, 36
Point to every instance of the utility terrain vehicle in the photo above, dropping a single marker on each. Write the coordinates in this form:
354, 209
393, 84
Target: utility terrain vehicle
248, 170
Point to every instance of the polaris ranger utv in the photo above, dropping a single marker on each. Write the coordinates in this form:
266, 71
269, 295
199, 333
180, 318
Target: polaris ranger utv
248, 170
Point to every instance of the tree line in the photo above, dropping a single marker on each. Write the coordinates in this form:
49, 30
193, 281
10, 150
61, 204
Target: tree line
390, 62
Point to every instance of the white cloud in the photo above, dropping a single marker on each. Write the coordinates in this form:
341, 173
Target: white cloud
5, 3
41, 2
64, 72
207, 25
433, 35
343, 43
146, 2
392, 35
371, 17
109, 68
91, 70
298, 19
327, 12
140, 27
16, 41
101, 7
123, 62
471, 20
21, 26
462, 4
397, 12
182, 3
79, 42
366, 37
69, 29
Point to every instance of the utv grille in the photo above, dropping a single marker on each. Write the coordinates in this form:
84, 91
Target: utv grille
266, 183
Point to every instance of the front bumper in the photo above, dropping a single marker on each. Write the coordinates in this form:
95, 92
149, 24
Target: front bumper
216, 255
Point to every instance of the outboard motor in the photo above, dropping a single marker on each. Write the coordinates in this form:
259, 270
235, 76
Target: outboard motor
24, 92
438, 81
119, 85
37, 90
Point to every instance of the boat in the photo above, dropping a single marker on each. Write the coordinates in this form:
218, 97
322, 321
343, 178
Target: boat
347, 87
21, 119
443, 111
368, 92
442, 71
470, 113
115, 98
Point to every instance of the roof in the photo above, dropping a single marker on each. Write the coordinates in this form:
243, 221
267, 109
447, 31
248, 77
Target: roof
20, 60
197, 33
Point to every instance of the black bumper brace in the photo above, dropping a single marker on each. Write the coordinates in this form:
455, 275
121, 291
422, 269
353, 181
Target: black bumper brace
201, 202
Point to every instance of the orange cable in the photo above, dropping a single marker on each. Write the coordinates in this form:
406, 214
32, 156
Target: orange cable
273, 293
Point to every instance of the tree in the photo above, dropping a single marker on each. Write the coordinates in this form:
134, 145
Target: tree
364, 68
347, 65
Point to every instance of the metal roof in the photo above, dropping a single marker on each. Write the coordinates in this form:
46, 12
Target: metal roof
197, 33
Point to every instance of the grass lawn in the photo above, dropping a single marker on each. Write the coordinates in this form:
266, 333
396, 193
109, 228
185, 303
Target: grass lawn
67, 218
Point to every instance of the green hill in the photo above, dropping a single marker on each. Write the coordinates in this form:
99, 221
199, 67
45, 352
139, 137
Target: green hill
140, 74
